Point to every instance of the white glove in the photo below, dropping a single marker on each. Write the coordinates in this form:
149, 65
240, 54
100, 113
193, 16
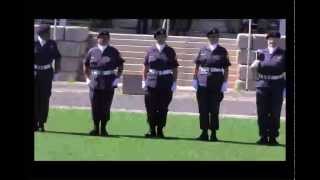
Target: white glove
255, 64
115, 82
88, 81
284, 92
224, 86
195, 84
55, 76
143, 86
174, 86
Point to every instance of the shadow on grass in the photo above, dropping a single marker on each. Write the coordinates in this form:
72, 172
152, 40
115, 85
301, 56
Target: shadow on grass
166, 138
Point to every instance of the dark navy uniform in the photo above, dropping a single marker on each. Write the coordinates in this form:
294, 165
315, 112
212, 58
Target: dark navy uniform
43, 76
159, 84
102, 66
269, 92
210, 79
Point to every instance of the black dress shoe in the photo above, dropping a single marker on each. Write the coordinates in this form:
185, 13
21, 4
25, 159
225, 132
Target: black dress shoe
213, 138
263, 140
151, 134
160, 134
203, 137
273, 141
94, 132
104, 133
41, 128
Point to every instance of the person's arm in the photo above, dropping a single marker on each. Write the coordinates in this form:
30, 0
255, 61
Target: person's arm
175, 74
226, 74
145, 72
86, 67
57, 58
195, 71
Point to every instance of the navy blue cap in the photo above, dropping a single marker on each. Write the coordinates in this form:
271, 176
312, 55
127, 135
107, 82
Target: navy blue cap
43, 28
159, 32
103, 33
213, 31
273, 34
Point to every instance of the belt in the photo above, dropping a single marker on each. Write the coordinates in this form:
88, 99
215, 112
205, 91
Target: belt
43, 67
212, 69
98, 72
164, 72
271, 77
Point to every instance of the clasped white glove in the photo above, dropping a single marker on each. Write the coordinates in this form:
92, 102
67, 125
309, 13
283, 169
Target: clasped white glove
255, 64
174, 86
195, 84
115, 82
143, 86
224, 86
55, 76
88, 81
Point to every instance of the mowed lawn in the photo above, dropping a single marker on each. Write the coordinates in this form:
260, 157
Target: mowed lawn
66, 139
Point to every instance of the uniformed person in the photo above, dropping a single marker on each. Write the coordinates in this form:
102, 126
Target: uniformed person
270, 88
99, 68
210, 81
45, 51
159, 81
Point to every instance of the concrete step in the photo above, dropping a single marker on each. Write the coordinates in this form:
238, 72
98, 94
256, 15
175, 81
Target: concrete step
174, 44
170, 38
178, 50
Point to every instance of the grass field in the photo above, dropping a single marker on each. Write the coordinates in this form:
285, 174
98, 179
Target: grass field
66, 139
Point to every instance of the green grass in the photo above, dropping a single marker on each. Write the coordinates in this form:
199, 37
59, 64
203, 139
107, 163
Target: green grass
66, 139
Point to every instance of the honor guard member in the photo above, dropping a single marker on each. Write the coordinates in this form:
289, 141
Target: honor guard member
210, 81
99, 68
45, 52
159, 82
270, 88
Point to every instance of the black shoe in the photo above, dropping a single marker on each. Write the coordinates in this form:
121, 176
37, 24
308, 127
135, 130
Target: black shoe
263, 140
213, 136
104, 133
203, 137
94, 132
160, 133
41, 128
273, 141
151, 134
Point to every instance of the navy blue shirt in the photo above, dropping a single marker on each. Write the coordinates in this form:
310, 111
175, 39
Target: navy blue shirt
166, 59
218, 58
271, 64
47, 53
109, 59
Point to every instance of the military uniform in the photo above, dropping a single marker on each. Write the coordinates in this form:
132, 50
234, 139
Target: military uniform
269, 93
209, 82
45, 52
102, 65
159, 85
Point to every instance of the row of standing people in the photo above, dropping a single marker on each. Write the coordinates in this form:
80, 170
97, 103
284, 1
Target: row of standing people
103, 67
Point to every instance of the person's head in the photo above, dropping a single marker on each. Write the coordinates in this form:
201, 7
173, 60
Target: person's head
160, 36
273, 38
44, 31
213, 36
103, 38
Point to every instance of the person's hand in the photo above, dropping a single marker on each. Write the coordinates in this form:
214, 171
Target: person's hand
255, 64
115, 82
88, 81
174, 86
143, 86
224, 86
195, 84
55, 77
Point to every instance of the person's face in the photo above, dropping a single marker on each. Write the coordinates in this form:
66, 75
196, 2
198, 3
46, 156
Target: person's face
45, 36
273, 42
161, 39
213, 38
103, 40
